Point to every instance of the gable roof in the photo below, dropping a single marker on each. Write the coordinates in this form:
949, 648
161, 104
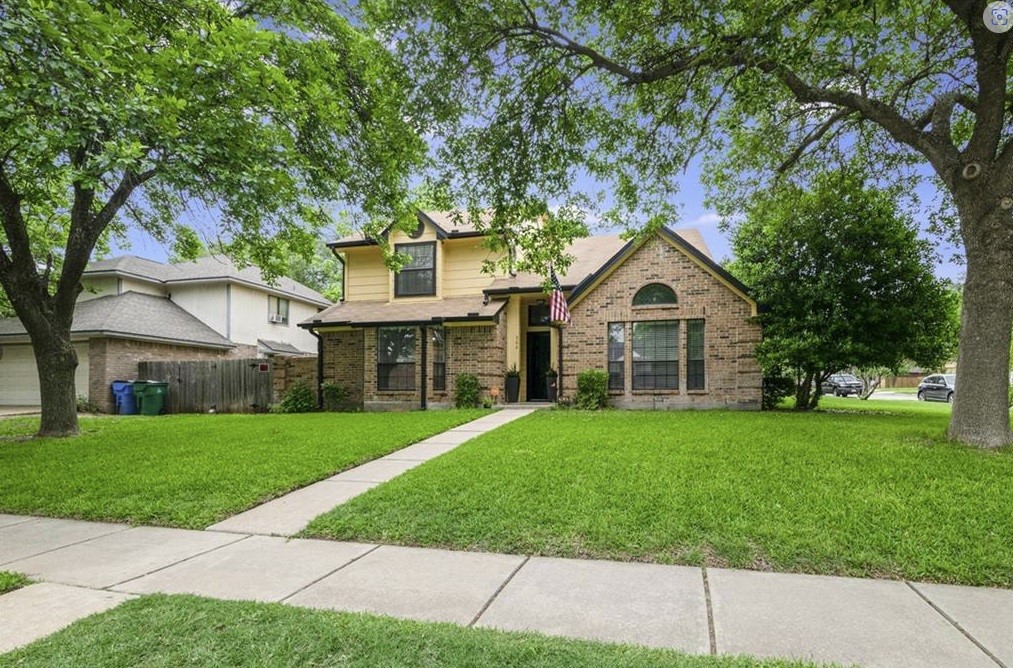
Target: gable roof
207, 268
704, 260
133, 315
445, 222
589, 255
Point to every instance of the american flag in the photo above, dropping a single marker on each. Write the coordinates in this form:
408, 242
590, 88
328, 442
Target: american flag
559, 312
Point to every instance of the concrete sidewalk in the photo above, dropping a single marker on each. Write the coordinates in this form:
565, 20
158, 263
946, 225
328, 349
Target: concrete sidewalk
90, 566
289, 514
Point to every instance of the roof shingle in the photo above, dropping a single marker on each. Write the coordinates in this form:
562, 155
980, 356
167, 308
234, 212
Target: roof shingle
474, 308
133, 314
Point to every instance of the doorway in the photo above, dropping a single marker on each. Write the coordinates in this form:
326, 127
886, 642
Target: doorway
538, 362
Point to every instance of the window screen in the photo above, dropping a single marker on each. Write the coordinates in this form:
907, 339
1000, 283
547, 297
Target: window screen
617, 355
694, 355
656, 355
418, 277
395, 358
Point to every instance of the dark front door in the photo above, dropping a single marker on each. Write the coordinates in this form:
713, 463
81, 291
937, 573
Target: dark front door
538, 363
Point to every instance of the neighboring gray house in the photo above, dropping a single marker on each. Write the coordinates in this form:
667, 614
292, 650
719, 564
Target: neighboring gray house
134, 310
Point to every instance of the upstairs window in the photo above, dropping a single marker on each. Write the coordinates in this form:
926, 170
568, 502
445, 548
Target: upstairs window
277, 310
395, 358
418, 277
654, 294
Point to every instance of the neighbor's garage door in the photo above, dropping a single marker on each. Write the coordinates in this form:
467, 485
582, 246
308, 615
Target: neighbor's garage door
19, 379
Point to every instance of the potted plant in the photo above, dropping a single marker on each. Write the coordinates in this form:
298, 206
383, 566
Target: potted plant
551, 386
513, 385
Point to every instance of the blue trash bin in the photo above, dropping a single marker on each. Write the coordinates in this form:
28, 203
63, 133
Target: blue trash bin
126, 402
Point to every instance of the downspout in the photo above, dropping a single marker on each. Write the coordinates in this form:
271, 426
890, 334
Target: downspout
423, 379
320, 369
341, 260
228, 311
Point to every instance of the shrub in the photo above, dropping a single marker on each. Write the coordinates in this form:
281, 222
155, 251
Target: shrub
299, 399
84, 405
775, 388
336, 397
592, 389
466, 390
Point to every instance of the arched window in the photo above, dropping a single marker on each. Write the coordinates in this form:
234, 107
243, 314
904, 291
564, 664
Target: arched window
654, 294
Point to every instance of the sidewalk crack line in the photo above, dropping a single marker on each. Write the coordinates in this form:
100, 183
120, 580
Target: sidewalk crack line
955, 625
330, 573
710, 612
496, 593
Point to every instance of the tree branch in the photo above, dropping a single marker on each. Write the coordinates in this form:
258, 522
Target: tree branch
812, 138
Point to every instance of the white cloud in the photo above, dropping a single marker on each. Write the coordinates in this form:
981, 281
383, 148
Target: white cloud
705, 220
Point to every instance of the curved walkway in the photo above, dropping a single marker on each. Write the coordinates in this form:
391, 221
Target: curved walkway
88, 566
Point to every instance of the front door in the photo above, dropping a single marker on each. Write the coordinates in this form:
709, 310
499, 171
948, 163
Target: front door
539, 354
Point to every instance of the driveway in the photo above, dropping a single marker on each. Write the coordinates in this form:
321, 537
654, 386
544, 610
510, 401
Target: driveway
10, 411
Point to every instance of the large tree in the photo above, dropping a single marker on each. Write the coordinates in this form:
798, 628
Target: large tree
533, 93
119, 113
846, 283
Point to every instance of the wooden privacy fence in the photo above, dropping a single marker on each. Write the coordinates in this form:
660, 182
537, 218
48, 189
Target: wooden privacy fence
225, 386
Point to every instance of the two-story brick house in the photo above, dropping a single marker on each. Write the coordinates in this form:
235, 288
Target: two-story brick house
670, 325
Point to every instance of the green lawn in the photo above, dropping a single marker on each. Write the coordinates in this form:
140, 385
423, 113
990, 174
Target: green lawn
861, 488
9, 581
189, 631
193, 470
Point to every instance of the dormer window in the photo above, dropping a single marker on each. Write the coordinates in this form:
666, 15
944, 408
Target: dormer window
418, 277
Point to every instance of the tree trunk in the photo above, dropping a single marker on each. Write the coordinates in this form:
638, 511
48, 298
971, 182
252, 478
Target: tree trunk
980, 414
57, 361
804, 391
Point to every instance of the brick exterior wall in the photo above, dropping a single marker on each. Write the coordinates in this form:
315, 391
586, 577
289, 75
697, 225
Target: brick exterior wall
343, 362
733, 376
288, 370
477, 350
112, 359
350, 360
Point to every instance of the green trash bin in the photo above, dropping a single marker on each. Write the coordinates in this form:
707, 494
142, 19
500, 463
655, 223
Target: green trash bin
150, 396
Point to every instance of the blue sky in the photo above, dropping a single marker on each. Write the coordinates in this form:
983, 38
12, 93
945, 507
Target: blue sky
694, 214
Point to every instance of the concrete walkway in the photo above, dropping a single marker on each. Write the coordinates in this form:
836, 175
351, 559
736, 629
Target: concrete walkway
88, 567
289, 514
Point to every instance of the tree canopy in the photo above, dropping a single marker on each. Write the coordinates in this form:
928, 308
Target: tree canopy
266, 114
845, 281
532, 95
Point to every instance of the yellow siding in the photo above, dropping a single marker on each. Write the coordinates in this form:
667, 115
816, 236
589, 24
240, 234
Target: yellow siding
462, 271
366, 276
